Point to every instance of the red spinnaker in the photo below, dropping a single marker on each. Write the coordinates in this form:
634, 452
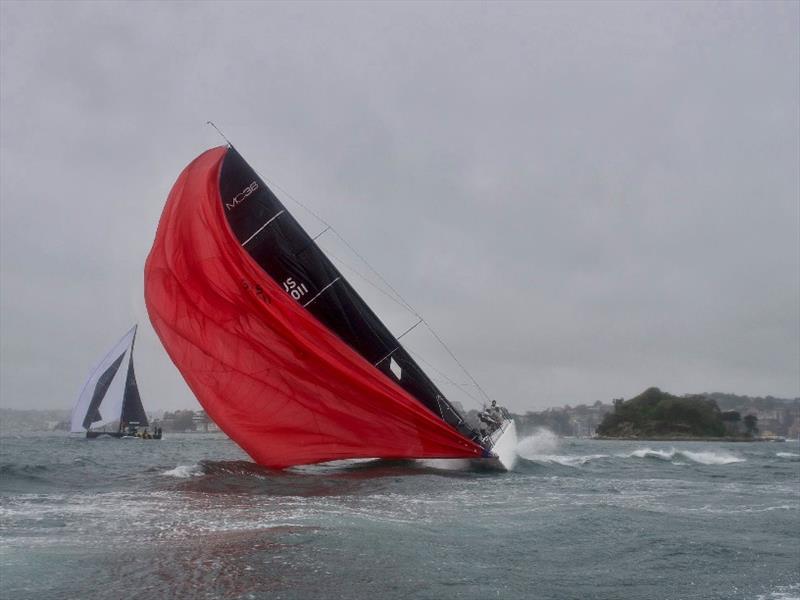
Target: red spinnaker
274, 378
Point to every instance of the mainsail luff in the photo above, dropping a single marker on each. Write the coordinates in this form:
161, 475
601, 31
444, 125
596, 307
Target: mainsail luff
271, 235
266, 370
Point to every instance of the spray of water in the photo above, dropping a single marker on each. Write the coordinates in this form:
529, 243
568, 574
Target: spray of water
542, 442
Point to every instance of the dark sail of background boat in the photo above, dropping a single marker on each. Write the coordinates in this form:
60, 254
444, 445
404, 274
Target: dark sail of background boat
111, 394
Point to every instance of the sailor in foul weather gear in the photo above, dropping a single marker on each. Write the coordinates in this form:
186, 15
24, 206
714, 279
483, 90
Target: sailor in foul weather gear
487, 418
495, 412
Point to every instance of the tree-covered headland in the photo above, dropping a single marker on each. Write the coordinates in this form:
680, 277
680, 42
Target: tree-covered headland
657, 414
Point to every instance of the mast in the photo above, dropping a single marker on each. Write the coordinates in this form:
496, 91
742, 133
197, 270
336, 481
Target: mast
270, 234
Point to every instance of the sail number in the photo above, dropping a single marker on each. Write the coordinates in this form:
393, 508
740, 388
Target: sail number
295, 290
241, 196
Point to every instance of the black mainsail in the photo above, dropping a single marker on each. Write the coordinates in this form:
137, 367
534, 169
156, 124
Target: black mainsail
278, 243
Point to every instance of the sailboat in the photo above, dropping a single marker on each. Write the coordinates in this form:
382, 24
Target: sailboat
279, 349
110, 396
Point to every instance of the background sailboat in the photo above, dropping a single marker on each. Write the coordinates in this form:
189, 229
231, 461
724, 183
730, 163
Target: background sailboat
110, 396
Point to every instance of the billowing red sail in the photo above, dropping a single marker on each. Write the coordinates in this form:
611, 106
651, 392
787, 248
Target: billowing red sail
282, 361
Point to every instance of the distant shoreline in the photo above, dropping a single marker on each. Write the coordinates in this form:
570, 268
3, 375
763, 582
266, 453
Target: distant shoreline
688, 439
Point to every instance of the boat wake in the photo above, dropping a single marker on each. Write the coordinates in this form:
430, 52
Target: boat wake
541, 447
334, 478
541, 441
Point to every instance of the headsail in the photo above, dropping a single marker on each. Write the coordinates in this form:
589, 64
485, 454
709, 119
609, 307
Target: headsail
276, 345
110, 391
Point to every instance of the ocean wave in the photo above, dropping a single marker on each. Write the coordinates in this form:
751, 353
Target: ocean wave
542, 447
221, 468
793, 456
703, 458
185, 471
22, 472
541, 441
242, 468
784, 592
567, 460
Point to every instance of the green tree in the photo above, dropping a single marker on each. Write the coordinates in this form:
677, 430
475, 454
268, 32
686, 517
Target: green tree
657, 413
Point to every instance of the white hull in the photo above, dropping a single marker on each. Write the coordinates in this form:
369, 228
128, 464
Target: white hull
504, 449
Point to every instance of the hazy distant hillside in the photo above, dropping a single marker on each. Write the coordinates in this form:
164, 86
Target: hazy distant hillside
14, 420
776, 416
740, 403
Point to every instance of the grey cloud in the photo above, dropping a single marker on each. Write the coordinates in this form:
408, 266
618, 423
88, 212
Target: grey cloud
584, 199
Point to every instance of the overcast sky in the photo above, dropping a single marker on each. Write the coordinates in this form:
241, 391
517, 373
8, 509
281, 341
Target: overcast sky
584, 200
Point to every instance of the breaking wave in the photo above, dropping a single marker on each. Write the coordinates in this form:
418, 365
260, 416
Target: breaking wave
185, 471
542, 447
785, 592
703, 458
793, 456
10, 470
568, 460
541, 441
545, 448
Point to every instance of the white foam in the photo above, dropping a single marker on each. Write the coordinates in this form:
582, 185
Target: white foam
184, 471
447, 464
703, 458
568, 460
787, 455
541, 442
788, 592
542, 446
650, 453
711, 458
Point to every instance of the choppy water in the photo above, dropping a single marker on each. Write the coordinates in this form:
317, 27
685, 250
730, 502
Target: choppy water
190, 517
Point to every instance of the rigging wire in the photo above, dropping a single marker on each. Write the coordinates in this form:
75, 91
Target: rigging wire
460, 386
366, 280
398, 298
227, 141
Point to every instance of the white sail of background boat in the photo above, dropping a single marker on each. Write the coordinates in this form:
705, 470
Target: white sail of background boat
110, 396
